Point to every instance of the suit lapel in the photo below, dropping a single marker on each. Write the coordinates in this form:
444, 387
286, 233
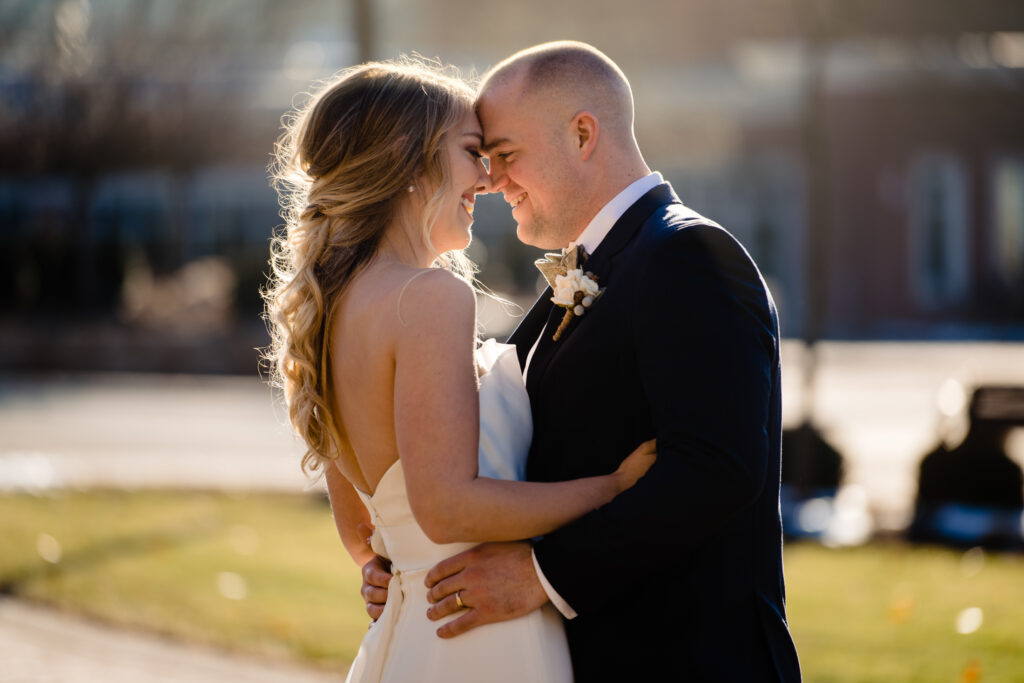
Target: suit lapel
599, 263
624, 229
529, 327
546, 347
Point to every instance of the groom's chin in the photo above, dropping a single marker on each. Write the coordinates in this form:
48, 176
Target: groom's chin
524, 235
531, 238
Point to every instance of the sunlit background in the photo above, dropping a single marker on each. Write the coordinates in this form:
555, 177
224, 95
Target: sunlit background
868, 153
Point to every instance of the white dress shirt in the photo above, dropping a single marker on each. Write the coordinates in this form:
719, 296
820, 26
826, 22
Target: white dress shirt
591, 238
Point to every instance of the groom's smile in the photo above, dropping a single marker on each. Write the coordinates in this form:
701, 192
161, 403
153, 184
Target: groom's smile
515, 201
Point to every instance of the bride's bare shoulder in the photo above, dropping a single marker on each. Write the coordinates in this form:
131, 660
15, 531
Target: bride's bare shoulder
432, 297
413, 296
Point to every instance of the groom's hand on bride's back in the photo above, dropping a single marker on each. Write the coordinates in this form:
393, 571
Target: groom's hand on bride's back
494, 582
376, 577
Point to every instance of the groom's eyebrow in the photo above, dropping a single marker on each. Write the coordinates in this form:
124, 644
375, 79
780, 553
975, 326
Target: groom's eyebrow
488, 146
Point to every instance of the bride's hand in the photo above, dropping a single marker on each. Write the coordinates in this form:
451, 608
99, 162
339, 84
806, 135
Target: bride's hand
636, 464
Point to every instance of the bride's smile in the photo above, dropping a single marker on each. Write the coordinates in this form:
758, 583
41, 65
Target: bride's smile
468, 178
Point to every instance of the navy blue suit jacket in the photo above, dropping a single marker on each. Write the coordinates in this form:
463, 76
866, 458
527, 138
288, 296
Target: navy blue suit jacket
680, 577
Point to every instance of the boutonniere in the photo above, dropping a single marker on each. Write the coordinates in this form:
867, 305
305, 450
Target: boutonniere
559, 262
576, 292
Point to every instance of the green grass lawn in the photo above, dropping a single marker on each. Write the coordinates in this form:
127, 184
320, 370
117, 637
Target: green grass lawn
266, 574
179, 563
890, 612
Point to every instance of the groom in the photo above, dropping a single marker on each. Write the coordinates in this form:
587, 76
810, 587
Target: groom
680, 577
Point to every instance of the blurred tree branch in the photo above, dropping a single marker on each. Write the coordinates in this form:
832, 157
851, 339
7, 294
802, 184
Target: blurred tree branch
147, 84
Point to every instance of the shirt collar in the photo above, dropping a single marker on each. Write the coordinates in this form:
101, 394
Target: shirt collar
602, 223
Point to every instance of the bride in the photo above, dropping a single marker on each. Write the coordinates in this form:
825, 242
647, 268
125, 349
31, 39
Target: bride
420, 431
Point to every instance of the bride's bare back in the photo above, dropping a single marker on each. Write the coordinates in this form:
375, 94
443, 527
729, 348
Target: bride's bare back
368, 328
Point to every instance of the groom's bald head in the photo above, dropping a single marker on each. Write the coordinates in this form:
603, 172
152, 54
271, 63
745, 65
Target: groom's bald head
558, 130
565, 77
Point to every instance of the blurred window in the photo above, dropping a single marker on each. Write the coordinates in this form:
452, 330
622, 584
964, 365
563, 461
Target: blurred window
1007, 243
229, 209
133, 208
939, 231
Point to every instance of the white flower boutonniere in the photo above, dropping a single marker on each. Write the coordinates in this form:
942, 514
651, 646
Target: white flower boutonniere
576, 292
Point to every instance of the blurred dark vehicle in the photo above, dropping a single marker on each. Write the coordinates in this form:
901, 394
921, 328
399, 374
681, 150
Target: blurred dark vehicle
973, 494
812, 470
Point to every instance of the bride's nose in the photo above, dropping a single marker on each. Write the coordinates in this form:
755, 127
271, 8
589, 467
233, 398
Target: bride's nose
483, 181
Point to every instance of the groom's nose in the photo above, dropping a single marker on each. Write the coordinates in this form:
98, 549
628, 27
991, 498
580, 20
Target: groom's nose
498, 177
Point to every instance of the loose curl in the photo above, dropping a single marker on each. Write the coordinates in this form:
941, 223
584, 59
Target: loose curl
341, 169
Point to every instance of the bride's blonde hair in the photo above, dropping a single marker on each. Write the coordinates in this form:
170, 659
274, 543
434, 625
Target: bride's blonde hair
342, 169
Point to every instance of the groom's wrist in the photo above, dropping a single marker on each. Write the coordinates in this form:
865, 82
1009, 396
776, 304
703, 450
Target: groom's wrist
557, 600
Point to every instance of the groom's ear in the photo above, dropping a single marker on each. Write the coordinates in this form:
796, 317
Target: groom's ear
585, 129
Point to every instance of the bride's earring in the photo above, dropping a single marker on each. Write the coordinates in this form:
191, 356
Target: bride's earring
412, 188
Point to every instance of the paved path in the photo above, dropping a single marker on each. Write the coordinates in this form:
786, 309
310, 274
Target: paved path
126, 430
39, 645
877, 402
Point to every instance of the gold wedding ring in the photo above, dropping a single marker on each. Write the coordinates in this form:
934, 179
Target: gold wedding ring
458, 600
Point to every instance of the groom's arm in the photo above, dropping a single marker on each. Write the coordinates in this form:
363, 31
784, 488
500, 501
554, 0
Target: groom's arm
706, 349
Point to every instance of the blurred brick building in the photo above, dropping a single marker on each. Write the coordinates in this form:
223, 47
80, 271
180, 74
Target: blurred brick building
869, 155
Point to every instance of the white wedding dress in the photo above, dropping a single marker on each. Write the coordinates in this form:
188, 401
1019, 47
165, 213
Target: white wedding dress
402, 645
